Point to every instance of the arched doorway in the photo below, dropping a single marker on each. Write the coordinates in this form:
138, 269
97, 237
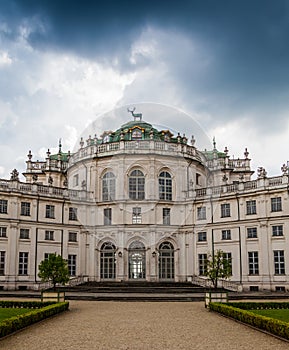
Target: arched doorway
166, 261
136, 261
107, 261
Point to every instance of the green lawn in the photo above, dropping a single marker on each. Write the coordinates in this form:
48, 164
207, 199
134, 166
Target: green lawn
7, 312
279, 314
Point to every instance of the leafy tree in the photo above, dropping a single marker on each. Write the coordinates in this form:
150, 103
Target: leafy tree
54, 269
218, 266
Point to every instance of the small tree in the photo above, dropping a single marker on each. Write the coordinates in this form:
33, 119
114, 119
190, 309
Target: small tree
218, 266
54, 269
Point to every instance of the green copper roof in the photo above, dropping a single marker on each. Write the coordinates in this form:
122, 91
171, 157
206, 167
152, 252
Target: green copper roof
137, 130
211, 154
63, 157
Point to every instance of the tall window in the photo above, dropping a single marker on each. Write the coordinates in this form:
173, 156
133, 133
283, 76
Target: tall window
136, 215
225, 210
49, 235
137, 260
165, 186
251, 207
3, 206
253, 263
25, 209
166, 216
202, 236
24, 233
201, 213
252, 232
23, 263
49, 213
279, 262
71, 264
72, 214
107, 261
202, 264
166, 261
226, 234
3, 232
75, 180
2, 263
136, 185
277, 230
276, 204
108, 187
107, 216
228, 258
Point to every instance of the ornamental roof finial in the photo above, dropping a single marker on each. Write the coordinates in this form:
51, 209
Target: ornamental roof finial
214, 142
136, 116
59, 146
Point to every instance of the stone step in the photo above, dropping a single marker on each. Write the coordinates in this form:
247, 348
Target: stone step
135, 288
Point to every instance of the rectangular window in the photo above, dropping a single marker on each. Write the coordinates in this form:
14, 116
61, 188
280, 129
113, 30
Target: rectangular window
46, 255
24, 233
107, 216
252, 232
72, 213
279, 262
227, 257
3, 206
198, 178
23, 263
202, 264
251, 207
253, 261
136, 215
50, 211
226, 234
276, 204
201, 213
202, 236
71, 263
277, 230
3, 232
2, 263
49, 235
25, 209
225, 210
166, 216
75, 180
72, 236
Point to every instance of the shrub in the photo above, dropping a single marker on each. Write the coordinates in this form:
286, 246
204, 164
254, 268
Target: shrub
241, 312
39, 311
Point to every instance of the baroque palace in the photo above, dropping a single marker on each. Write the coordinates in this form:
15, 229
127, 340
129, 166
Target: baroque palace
143, 204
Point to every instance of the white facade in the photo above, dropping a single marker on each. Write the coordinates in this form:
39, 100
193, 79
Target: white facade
141, 204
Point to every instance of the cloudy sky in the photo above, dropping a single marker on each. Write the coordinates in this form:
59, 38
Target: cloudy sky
224, 63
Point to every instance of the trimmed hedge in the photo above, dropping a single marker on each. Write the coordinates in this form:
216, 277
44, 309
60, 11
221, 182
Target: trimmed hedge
25, 304
239, 311
39, 312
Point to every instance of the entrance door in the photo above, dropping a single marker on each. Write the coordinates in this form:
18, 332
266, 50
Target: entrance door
166, 261
136, 261
107, 261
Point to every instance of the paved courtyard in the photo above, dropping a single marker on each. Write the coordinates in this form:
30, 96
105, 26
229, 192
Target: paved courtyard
139, 325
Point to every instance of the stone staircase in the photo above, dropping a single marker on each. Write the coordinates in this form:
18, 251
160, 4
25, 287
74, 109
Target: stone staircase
136, 291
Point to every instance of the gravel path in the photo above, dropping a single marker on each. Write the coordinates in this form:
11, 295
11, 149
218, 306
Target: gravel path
139, 326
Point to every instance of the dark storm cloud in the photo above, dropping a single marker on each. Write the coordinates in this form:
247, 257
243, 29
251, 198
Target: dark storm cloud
245, 41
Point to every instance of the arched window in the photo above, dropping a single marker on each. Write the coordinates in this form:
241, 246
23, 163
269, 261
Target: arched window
136, 260
108, 187
136, 185
165, 186
107, 261
166, 261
